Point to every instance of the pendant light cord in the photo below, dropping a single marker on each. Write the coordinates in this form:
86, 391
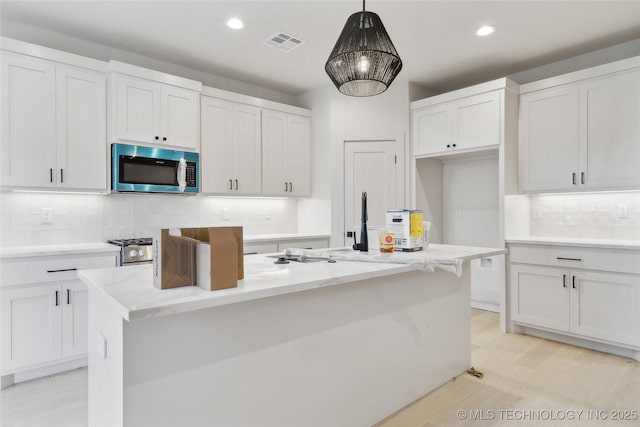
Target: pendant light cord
363, 6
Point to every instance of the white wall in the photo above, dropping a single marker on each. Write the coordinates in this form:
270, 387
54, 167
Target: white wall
81, 218
101, 52
338, 118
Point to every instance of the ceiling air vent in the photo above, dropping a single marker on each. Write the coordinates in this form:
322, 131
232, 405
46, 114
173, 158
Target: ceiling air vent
283, 41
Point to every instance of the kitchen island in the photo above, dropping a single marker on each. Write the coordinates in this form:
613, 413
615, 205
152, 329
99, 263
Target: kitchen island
314, 344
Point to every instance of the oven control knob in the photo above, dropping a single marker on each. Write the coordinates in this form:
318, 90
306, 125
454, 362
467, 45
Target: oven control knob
133, 253
140, 252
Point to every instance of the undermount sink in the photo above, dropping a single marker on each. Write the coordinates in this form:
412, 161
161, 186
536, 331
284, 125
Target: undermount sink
294, 258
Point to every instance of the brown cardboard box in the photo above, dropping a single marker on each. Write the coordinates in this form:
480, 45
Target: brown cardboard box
175, 261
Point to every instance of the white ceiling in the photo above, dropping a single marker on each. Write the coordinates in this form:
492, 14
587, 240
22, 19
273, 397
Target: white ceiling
435, 39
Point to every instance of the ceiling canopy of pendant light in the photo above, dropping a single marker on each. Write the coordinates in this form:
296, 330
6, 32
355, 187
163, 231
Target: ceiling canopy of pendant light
364, 61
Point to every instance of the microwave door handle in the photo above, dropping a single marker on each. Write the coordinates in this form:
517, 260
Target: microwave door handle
182, 175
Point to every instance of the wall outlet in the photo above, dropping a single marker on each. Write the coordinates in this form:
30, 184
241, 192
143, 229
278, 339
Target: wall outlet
46, 215
537, 212
486, 263
267, 213
226, 214
623, 211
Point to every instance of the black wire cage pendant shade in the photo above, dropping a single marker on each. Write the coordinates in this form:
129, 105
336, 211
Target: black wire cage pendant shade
364, 61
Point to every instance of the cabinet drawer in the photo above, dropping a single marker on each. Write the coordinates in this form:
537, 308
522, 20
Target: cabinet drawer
614, 260
303, 244
259, 248
51, 268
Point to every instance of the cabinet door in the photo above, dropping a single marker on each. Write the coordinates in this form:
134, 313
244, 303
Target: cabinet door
431, 130
549, 139
476, 121
179, 117
606, 306
28, 122
31, 326
81, 116
610, 141
247, 160
274, 155
137, 110
298, 151
216, 145
75, 318
540, 296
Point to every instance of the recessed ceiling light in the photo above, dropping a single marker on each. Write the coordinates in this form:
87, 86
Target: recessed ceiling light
235, 23
485, 30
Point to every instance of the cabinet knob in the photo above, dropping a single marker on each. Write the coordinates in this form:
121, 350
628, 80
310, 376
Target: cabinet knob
454, 145
157, 138
164, 138
448, 146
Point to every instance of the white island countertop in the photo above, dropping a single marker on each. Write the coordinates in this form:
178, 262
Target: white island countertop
132, 294
581, 242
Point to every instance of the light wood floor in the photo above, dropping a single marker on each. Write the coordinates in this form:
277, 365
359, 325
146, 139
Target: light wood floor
523, 377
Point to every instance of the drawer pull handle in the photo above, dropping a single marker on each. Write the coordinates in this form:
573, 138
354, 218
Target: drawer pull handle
574, 178
68, 296
57, 299
568, 259
62, 270
564, 280
582, 178
573, 281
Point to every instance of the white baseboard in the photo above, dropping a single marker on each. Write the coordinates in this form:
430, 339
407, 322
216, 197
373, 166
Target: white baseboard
48, 370
487, 306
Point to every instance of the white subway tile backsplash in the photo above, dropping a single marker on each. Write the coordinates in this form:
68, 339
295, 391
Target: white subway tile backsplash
81, 218
591, 216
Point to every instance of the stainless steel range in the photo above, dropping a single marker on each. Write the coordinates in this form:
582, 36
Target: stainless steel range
134, 251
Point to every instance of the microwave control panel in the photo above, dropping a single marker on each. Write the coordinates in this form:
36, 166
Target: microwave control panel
191, 174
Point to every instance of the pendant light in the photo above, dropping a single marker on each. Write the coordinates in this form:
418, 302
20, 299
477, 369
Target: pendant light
364, 61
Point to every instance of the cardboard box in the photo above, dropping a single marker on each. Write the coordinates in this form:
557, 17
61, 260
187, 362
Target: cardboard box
176, 262
407, 226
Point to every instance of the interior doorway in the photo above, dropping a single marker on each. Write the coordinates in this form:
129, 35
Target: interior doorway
369, 166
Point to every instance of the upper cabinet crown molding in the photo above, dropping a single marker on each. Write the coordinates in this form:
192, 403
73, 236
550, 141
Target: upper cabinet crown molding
156, 76
41, 52
577, 76
493, 85
256, 102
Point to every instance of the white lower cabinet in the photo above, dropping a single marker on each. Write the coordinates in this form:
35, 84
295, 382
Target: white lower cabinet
45, 323
602, 306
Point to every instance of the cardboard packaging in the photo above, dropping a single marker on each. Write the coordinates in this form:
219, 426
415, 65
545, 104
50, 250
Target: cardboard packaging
209, 257
407, 226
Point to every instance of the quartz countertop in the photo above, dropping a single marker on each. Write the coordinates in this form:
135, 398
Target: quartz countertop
47, 250
291, 236
130, 289
568, 241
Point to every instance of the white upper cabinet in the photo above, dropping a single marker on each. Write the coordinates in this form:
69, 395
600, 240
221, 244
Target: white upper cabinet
53, 126
286, 146
581, 136
457, 125
28, 122
230, 147
146, 110
549, 139
610, 138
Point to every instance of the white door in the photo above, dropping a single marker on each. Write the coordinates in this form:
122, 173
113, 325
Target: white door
31, 325
247, 161
75, 318
606, 306
274, 156
369, 167
216, 145
179, 117
81, 116
540, 296
28, 122
549, 139
610, 144
298, 156
138, 110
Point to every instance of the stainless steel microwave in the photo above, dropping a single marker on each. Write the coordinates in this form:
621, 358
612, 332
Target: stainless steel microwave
154, 170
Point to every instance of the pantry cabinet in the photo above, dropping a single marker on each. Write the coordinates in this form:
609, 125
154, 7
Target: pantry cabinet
581, 136
466, 124
285, 154
588, 293
53, 125
45, 309
155, 113
230, 147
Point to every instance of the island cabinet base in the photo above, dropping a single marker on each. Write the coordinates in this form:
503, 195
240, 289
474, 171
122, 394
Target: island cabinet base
344, 355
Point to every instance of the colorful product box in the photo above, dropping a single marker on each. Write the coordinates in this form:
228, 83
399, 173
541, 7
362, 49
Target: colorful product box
407, 226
